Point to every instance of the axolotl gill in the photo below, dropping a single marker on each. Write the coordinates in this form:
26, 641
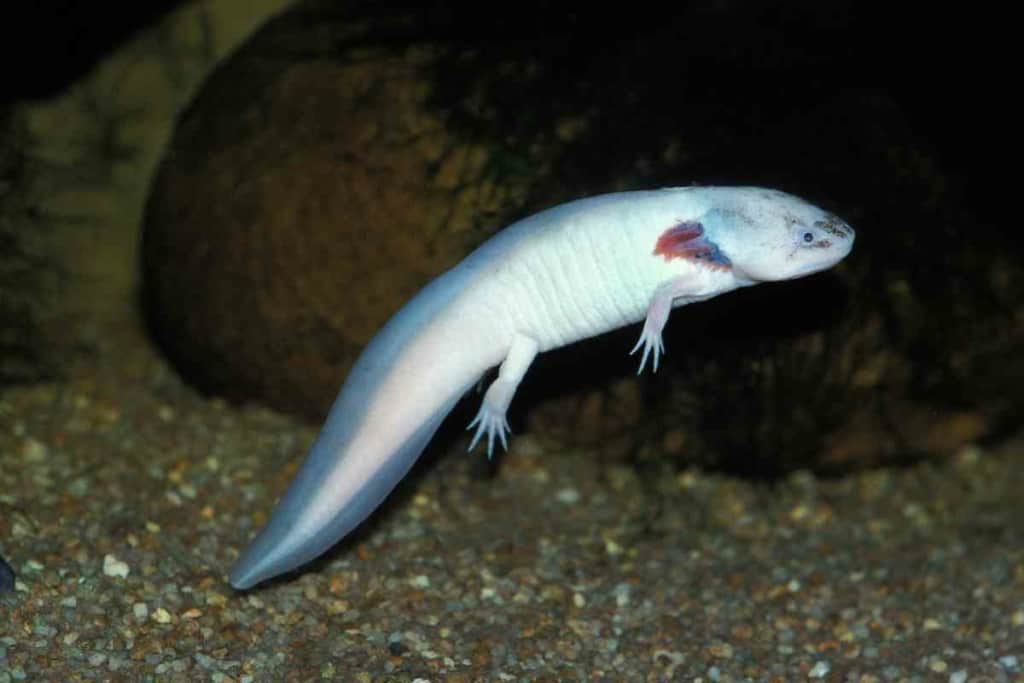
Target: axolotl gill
567, 273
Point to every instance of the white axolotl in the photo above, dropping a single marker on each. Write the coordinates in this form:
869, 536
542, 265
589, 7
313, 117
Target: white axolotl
565, 274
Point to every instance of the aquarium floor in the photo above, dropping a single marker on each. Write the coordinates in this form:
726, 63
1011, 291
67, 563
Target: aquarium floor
125, 496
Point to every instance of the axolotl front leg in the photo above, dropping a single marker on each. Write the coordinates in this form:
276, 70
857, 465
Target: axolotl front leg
657, 315
679, 290
687, 240
491, 420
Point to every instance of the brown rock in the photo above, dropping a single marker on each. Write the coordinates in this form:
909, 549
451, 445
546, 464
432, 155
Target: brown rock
301, 201
903, 429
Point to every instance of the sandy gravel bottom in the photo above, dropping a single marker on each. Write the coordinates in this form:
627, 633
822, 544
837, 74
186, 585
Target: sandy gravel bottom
125, 497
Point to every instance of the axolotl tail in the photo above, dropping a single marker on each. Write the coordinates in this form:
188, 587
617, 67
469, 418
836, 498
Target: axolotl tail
303, 527
397, 394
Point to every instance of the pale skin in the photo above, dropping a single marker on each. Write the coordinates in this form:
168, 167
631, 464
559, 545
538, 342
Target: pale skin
568, 273
492, 418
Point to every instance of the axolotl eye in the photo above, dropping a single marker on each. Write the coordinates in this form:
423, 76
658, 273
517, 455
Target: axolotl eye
814, 239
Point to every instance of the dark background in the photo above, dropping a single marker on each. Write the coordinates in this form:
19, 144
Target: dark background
948, 66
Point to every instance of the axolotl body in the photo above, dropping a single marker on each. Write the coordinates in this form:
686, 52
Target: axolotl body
567, 273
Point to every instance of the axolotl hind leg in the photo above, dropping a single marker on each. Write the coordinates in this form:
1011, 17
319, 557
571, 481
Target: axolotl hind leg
491, 420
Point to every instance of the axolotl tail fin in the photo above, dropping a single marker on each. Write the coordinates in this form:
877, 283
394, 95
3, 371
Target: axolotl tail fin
298, 533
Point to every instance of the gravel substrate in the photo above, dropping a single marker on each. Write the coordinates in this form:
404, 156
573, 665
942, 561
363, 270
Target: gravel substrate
125, 497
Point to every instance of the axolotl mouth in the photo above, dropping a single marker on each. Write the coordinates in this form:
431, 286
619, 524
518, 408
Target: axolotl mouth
836, 227
840, 236
834, 244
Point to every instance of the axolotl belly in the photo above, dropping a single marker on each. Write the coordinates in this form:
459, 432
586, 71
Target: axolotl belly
571, 272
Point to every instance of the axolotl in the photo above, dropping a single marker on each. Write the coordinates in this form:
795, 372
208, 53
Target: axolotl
562, 275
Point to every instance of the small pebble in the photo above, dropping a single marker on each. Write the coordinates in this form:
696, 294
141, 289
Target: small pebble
721, 650
622, 591
115, 567
568, 496
34, 451
819, 670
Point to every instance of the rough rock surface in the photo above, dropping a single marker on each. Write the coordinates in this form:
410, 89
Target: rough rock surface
304, 197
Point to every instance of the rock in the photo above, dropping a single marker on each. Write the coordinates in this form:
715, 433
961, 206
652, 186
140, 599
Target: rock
305, 196
904, 429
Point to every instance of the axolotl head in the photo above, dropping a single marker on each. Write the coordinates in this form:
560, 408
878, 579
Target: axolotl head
771, 235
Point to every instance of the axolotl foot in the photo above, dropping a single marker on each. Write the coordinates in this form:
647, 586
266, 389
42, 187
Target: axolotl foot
653, 346
491, 420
